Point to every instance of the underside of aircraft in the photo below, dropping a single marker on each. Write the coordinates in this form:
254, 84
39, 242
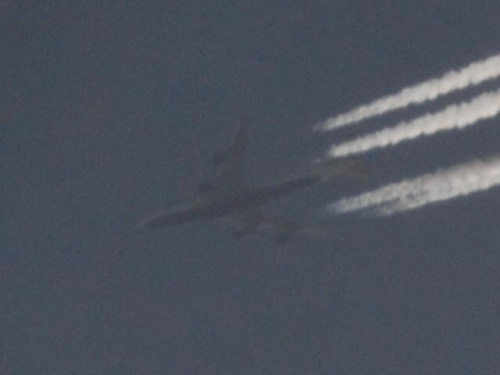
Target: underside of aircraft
228, 197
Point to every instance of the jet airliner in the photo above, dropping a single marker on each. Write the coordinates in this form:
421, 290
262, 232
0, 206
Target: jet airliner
228, 196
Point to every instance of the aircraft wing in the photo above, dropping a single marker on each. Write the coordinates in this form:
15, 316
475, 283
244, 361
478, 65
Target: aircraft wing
282, 229
244, 223
285, 229
230, 163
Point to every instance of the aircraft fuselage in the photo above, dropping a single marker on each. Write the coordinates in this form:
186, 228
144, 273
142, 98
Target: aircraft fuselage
219, 207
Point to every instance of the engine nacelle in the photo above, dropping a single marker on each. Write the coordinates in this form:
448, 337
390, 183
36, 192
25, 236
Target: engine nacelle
248, 225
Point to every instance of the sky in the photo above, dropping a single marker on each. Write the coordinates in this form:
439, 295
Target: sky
111, 112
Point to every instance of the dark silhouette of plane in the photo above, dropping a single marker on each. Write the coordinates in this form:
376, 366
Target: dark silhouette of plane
227, 196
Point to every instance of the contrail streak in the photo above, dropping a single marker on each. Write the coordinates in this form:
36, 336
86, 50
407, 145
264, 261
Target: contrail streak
455, 116
471, 75
430, 188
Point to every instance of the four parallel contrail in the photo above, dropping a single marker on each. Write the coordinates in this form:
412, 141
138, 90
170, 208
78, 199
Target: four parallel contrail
414, 193
455, 116
471, 75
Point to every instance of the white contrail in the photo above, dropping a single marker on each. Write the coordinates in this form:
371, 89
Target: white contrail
471, 75
414, 193
455, 116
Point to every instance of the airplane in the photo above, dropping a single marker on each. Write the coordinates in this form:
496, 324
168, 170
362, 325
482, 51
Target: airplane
228, 196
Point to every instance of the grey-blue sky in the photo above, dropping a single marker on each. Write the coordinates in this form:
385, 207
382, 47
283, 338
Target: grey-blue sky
109, 111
